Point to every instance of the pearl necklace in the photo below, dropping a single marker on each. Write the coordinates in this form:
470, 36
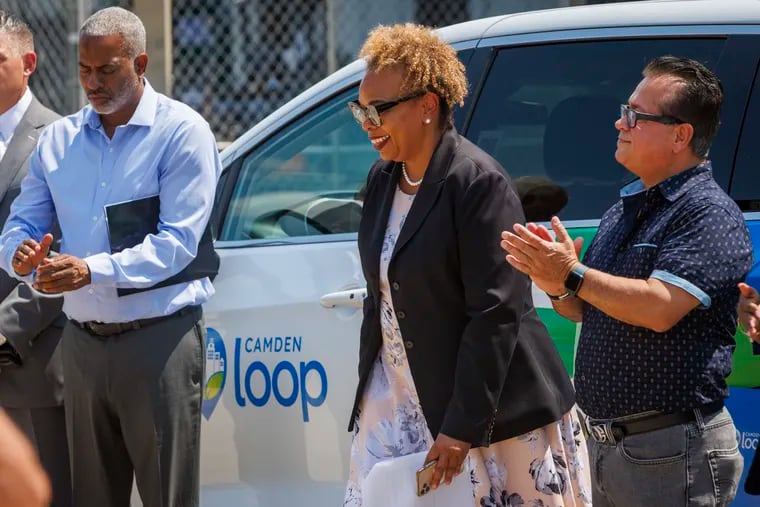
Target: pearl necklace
410, 181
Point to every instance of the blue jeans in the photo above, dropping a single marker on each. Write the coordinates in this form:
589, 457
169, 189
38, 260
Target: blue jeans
696, 464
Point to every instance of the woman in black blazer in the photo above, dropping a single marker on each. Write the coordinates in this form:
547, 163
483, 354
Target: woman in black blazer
453, 358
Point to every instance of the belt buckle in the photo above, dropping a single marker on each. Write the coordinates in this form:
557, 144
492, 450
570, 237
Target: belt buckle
95, 327
100, 329
602, 432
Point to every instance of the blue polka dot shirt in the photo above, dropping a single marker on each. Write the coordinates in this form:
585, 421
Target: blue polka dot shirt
686, 232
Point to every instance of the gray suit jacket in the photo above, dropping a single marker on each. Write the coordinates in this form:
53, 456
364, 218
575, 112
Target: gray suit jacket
30, 322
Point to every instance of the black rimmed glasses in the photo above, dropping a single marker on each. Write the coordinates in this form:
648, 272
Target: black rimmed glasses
630, 117
373, 111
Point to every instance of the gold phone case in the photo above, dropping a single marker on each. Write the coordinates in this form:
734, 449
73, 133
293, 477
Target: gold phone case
425, 477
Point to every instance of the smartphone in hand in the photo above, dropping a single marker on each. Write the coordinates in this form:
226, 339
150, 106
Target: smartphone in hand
425, 477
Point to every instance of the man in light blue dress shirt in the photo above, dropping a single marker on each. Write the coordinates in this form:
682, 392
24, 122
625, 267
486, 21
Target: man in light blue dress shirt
133, 364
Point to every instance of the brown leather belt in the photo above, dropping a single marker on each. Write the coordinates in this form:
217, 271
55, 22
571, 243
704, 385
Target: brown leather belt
106, 329
609, 432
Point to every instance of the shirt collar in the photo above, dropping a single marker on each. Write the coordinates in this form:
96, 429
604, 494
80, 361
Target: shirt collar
632, 188
10, 119
144, 115
675, 186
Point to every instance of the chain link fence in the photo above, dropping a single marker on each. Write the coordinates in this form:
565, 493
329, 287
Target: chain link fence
235, 61
55, 24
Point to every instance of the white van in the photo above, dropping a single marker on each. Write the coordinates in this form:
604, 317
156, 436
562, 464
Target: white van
283, 328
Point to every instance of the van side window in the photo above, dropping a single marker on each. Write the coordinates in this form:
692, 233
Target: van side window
304, 181
745, 183
547, 114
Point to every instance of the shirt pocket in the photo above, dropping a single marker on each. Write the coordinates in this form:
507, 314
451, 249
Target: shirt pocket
637, 261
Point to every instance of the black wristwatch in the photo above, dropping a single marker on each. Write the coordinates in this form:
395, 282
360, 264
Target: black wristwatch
574, 279
573, 283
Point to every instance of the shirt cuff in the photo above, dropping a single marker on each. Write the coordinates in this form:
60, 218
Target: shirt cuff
686, 285
101, 269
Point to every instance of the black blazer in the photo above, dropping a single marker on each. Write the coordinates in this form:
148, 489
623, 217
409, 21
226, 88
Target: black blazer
483, 364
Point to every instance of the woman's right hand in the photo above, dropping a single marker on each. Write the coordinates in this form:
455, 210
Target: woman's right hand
450, 454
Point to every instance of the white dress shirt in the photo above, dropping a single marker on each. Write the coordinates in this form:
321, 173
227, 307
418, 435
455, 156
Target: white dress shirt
10, 119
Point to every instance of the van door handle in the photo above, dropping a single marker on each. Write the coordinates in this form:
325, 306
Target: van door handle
353, 298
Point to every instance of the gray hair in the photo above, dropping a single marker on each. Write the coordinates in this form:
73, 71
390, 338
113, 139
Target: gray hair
117, 21
19, 31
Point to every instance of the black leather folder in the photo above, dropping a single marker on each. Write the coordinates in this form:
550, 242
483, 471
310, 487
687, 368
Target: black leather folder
128, 224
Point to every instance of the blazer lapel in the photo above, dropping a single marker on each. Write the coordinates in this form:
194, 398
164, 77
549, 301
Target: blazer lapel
430, 189
23, 142
387, 180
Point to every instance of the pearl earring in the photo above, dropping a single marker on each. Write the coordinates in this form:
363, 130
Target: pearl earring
427, 121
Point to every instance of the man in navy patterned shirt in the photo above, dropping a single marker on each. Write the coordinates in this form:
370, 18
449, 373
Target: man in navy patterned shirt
656, 292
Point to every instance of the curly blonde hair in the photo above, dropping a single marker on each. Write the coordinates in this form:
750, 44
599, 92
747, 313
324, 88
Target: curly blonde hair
430, 63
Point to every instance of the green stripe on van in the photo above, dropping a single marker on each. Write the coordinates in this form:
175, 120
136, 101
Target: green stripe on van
563, 333
746, 366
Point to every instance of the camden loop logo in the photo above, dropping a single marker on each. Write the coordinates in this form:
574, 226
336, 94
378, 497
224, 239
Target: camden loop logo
216, 371
748, 440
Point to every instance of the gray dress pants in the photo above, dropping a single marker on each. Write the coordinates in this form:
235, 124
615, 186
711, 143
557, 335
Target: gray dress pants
133, 405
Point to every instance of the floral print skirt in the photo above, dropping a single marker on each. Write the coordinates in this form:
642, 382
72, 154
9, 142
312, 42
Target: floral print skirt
546, 467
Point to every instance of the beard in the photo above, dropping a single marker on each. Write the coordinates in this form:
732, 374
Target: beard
121, 98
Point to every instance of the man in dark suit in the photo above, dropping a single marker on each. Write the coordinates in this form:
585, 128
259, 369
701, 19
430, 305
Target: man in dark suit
31, 377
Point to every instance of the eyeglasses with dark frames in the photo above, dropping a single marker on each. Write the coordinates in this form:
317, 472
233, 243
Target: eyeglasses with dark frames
372, 112
630, 117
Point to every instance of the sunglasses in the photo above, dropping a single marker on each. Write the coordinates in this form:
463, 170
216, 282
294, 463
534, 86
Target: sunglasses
630, 117
373, 111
